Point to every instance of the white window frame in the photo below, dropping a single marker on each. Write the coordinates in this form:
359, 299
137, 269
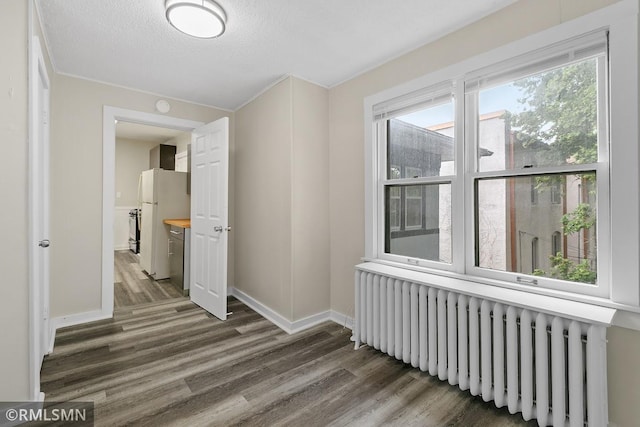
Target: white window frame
618, 271
534, 62
420, 99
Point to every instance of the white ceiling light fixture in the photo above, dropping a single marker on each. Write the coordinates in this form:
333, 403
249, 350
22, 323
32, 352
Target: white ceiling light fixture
204, 19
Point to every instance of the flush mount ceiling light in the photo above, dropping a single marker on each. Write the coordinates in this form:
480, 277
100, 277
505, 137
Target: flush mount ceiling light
204, 19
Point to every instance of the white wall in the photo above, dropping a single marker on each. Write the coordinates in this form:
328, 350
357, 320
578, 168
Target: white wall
14, 308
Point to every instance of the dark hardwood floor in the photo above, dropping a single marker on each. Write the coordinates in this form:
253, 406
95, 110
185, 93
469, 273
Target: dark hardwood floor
132, 286
172, 363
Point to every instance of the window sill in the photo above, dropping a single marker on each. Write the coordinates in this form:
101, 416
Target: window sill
581, 311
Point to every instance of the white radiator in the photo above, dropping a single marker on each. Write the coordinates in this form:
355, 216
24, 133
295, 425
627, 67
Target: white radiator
547, 367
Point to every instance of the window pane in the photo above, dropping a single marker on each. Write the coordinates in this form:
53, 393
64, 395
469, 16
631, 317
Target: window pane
424, 228
516, 235
547, 119
420, 144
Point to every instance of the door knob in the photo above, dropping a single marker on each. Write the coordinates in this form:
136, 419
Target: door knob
44, 243
218, 228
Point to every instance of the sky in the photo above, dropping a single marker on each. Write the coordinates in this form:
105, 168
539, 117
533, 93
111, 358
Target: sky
504, 97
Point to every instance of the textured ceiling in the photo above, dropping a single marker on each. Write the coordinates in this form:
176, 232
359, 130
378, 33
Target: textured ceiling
129, 42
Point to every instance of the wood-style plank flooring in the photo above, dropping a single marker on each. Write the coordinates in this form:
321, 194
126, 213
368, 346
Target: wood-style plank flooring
132, 286
172, 364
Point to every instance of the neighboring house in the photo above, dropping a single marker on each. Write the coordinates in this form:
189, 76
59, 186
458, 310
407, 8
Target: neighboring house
519, 220
413, 211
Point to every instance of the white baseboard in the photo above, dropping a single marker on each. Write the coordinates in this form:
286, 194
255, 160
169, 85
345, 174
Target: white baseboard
52, 337
341, 319
290, 327
121, 248
72, 320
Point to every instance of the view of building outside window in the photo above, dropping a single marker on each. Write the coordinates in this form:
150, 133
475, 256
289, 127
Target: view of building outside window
535, 223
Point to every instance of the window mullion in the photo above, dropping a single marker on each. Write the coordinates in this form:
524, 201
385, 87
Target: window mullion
381, 130
458, 185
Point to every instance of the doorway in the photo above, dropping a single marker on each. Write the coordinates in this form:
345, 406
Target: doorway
111, 116
137, 150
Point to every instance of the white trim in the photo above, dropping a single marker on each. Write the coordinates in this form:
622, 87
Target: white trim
341, 319
52, 338
72, 320
290, 327
77, 319
621, 19
109, 116
47, 44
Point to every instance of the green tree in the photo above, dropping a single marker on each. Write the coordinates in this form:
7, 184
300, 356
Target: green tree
561, 111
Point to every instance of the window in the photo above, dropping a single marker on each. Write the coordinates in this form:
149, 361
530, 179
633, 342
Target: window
556, 191
419, 164
531, 160
534, 255
588, 202
556, 244
534, 192
551, 108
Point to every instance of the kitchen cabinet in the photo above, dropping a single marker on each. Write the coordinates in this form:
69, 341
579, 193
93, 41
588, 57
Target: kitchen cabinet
163, 156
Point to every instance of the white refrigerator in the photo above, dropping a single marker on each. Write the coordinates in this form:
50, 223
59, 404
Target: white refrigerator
162, 195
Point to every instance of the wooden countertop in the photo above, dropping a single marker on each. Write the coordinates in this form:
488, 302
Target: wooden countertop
184, 223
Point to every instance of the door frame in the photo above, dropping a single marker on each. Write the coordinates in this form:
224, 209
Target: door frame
38, 298
109, 116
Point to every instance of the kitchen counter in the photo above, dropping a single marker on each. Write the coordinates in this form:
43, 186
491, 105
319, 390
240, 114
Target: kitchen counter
183, 223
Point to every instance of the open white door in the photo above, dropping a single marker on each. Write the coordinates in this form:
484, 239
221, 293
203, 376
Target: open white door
209, 216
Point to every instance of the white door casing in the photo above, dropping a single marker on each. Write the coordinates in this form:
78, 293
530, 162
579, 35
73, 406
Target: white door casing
209, 216
109, 117
39, 216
